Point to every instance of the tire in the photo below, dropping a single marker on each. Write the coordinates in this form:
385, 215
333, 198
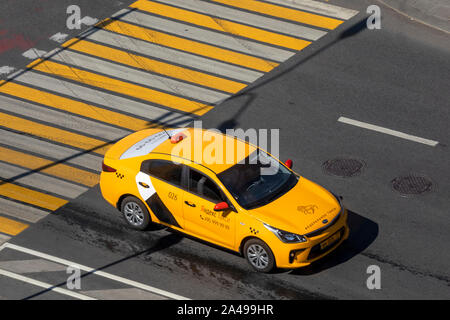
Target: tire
259, 255
135, 213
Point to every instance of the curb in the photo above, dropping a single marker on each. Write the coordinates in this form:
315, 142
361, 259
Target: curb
435, 13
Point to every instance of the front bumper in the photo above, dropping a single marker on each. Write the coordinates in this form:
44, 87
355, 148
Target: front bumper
303, 254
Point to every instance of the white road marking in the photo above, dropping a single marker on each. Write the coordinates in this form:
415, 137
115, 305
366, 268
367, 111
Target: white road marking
41, 181
33, 53
21, 211
6, 70
175, 56
59, 37
3, 239
63, 119
89, 21
50, 150
123, 294
44, 285
94, 271
144, 110
139, 77
387, 131
256, 20
208, 36
318, 7
31, 266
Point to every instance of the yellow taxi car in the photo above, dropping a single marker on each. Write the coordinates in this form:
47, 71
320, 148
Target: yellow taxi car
274, 220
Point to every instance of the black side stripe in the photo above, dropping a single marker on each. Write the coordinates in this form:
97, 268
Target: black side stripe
161, 211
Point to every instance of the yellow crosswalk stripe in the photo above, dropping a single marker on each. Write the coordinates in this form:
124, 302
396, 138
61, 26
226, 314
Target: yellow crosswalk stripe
137, 91
76, 107
54, 134
29, 196
188, 45
221, 25
285, 13
156, 66
11, 227
58, 170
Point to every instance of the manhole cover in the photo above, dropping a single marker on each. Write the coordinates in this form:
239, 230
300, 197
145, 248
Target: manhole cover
412, 184
343, 167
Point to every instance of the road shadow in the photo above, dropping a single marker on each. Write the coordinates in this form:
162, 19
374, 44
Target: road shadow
363, 233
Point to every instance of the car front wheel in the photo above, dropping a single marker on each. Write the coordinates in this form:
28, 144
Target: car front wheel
259, 255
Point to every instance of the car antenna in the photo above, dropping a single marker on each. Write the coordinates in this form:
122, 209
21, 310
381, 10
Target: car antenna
170, 137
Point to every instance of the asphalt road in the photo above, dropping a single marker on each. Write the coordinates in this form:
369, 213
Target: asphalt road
397, 78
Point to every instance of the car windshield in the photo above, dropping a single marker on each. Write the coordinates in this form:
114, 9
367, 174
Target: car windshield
257, 180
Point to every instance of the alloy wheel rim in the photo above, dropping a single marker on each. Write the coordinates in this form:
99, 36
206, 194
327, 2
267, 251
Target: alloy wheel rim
133, 213
258, 256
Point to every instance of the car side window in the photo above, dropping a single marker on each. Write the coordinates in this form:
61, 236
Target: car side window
164, 170
204, 187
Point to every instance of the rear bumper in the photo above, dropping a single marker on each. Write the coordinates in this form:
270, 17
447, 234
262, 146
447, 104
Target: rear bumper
303, 254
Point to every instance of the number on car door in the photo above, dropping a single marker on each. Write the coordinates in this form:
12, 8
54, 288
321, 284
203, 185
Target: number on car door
165, 177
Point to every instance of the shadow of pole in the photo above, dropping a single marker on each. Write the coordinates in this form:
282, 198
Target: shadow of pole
232, 121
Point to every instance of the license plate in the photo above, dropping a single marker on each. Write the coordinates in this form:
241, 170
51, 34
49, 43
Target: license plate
335, 237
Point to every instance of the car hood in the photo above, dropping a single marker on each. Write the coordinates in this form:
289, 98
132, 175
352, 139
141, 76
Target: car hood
303, 209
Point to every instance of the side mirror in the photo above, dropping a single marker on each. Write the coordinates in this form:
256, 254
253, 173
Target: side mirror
288, 163
221, 206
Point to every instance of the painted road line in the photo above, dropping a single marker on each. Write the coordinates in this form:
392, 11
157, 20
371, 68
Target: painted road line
175, 56
151, 65
207, 36
53, 134
50, 150
4, 238
62, 119
139, 77
21, 211
122, 87
247, 18
119, 104
221, 25
190, 46
33, 197
123, 294
387, 131
40, 181
284, 13
44, 285
31, 266
11, 227
94, 271
59, 170
65, 104
318, 7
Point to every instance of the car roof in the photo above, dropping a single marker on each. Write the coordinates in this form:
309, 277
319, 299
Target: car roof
210, 148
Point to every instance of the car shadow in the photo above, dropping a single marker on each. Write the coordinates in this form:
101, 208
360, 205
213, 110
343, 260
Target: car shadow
363, 233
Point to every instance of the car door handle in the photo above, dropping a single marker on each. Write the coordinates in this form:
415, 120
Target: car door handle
190, 204
144, 185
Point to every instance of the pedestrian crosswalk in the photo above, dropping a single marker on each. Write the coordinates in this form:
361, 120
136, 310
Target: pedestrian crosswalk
152, 64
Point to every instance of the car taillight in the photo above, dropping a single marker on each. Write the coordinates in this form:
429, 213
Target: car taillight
106, 168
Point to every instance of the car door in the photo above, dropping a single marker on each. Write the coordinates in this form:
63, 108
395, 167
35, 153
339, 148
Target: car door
160, 184
198, 210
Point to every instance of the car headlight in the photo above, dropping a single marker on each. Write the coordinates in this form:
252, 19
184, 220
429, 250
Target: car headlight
285, 236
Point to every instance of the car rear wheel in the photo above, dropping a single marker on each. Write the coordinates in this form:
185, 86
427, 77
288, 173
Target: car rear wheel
259, 255
135, 213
